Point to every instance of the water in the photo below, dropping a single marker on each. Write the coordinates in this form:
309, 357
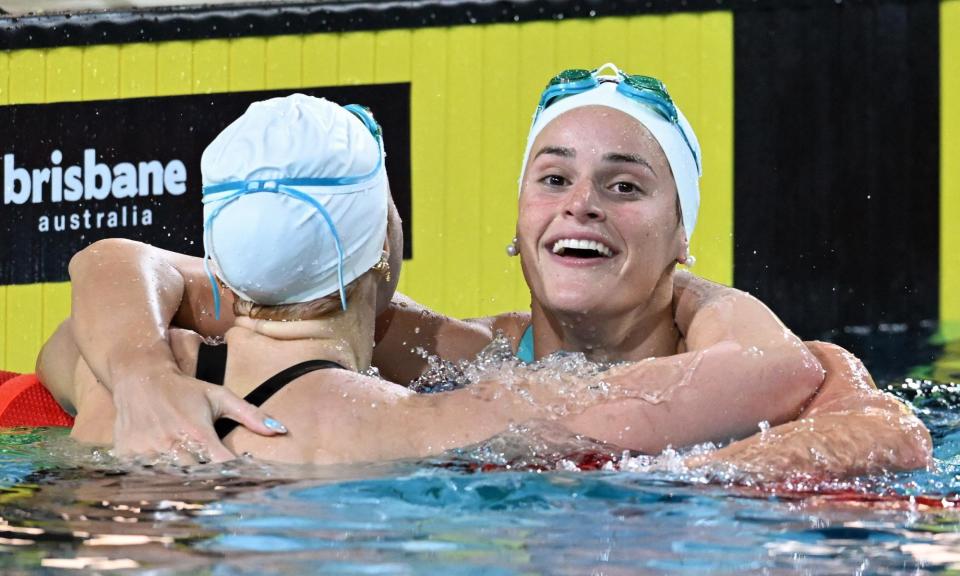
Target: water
62, 507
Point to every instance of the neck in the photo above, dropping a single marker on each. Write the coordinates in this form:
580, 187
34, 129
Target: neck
643, 332
261, 348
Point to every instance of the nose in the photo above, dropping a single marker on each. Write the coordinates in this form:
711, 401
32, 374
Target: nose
584, 203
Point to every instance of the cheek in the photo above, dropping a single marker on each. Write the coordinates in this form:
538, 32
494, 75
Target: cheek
650, 233
533, 215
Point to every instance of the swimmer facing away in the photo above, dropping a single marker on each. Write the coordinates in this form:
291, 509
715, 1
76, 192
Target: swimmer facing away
297, 232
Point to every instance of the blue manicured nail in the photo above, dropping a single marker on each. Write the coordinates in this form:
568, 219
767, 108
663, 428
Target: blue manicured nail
275, 425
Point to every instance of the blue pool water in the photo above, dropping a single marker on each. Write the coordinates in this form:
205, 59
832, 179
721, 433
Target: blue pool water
441, 517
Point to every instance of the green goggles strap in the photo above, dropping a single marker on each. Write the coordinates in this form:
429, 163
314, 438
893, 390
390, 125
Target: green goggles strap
645, 89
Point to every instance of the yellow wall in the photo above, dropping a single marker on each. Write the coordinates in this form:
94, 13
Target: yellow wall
950, 169
473, 89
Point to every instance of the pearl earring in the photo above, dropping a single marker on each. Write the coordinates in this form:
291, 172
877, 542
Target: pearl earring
512, 249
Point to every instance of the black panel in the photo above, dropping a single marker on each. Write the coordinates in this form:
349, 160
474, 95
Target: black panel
225, 21
837, 164
45, 223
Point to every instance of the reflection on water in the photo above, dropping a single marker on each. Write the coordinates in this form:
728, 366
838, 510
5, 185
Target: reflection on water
63, 507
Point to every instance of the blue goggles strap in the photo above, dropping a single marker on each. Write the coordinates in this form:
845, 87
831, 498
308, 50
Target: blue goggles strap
335, 186
279, 189
237, 189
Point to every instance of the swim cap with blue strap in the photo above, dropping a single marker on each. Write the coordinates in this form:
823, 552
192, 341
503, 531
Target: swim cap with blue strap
295, 200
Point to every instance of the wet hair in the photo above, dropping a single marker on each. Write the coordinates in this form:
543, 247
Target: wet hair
313, 310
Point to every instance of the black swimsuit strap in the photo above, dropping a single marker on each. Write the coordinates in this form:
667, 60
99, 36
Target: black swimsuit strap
271, 386
211, 363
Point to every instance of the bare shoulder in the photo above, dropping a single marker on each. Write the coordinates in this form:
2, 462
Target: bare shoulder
320, 409
708, 313
408, 331
510, 324
692, 294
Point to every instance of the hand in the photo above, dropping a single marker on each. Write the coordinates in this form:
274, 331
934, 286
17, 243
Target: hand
849, 428
162, 412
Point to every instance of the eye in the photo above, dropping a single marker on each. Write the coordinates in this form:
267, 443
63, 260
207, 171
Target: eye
626, 188
554, 180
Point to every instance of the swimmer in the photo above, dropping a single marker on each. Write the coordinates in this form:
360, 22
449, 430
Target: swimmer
296, 208
604, 165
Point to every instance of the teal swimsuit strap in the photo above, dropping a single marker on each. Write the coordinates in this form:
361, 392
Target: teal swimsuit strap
525, 349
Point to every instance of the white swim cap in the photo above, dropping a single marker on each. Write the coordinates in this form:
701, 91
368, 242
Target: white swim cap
295, 200
673, 138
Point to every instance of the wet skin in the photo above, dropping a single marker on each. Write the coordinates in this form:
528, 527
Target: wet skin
616, 187
597, 174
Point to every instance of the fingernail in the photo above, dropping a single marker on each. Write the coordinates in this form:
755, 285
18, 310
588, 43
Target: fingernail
274, 425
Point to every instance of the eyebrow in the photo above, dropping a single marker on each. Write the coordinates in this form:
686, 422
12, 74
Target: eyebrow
630, 158
557, 151
564, 152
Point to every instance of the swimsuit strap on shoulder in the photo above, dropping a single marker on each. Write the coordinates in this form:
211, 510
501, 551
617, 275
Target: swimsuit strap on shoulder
274, 384
525, 349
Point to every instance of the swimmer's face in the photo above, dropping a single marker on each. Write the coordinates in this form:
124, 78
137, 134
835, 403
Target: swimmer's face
598, 226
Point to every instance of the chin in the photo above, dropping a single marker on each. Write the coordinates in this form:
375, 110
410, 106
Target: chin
573, 301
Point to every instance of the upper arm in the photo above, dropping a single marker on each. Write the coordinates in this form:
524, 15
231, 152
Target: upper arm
182, 277
708, 313
409, 331
57, 363
196, 311
715, 394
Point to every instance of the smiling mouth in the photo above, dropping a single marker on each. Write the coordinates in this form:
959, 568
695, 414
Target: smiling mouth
573, 248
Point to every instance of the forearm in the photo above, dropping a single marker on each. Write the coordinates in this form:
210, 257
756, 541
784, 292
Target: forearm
124, 299
849, 428
420, 425
469, 415
717, 394
865, 441
353, 418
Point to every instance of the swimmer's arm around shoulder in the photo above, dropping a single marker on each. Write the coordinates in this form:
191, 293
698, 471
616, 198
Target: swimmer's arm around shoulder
850, 428
342, 417
126, 295
742, 367
718, 394
779, 361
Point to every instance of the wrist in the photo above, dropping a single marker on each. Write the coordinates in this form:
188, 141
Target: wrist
139, 363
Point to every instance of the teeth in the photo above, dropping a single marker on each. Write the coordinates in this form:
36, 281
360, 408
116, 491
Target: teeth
574, 244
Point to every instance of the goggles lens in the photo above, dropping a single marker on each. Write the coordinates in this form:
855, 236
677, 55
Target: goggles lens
576, 80
646, 83
572, 75
644, 89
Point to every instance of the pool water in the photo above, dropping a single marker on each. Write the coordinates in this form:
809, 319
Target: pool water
66, 508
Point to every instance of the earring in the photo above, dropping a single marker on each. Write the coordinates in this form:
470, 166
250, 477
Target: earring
383, 266
689, 260
512, 249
